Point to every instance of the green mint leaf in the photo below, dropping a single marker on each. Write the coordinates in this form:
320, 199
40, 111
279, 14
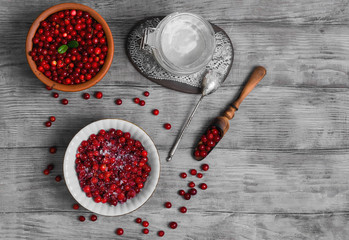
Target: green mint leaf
62, 49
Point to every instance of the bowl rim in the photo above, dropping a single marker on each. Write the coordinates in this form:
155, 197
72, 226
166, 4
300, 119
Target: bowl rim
138, 128
75, 87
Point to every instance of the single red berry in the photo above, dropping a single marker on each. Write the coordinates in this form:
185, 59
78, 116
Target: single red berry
46, 172
181, 192
191, 184
145, 223
156, 112
183, 209
193, 172
55, 95
138, 220
145, 230
86, 96
82, 219
167, 126
93, 218
173, 225
146, 93
52, 118
118, 101
203, 153
48, 124
144, 153
119, 231
98, 95
142, 103
199, 175
64, 101
203, 186
192, 191
187, 196
76, 206
50, 167
205, 167
58, 178
168, 204
136, 100
183, 175
161, 233
53, 150
48, 88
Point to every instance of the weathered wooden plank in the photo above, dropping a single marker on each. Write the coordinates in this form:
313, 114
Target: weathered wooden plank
239, 181
270, 117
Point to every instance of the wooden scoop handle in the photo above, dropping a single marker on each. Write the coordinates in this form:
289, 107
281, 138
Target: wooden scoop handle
256, 76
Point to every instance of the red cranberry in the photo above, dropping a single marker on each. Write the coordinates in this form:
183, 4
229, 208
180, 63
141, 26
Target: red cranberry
93, 218
48, 124
173, 225
193, 172
119, 231
183, 209
48, 88
146, 93
86, 96
192, 191
50, 167
145, 230
181, 192
76, 206
161, 233
82, 219
55, 95
58, 178
64, 101
168, 205
167, 126
199, 175
52, 118
138, 220
183, 175
187, 196
203, 186
46, 172
136, 100
191, 184
53, 150
205, 167
98, 95
118, 101
156, 112
145, 223
142, 103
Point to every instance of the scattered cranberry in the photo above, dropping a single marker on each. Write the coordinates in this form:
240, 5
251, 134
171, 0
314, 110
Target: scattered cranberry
93, 218
118, 101
199, 175
50, 167
55, 95
167, 126
145, 223
183, 175
142, 103
58, 178
46, 172
53, 150
146, 93
187, 196
192, 191
203, 186
136, 100
145, 230
173, 225
181, 192
48, 124
205, 167
156, 112
161, 233
191, 184
183, 209
86, 96
193, 172
119, 231
76, 206
98, 95
138, 220
48, 88
168, 205
52, 118
64, 101
82, 219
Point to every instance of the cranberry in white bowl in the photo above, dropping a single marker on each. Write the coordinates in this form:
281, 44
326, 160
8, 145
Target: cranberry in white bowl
106, 190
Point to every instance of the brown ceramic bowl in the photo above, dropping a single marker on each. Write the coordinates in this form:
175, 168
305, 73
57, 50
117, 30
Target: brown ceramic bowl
75, 87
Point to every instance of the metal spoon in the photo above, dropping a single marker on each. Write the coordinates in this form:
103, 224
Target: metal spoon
210, 83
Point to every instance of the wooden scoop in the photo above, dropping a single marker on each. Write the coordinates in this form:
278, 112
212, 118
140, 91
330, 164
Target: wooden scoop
221, 123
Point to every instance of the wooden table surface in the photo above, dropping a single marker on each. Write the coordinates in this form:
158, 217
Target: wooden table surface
281, 172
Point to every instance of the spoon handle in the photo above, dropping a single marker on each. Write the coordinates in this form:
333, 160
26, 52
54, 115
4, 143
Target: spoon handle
179, 137
256, 76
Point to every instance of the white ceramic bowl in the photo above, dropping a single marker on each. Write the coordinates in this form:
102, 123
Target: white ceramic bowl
72, 181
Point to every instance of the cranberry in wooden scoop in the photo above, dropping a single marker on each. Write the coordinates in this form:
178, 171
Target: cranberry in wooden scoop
220, 125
